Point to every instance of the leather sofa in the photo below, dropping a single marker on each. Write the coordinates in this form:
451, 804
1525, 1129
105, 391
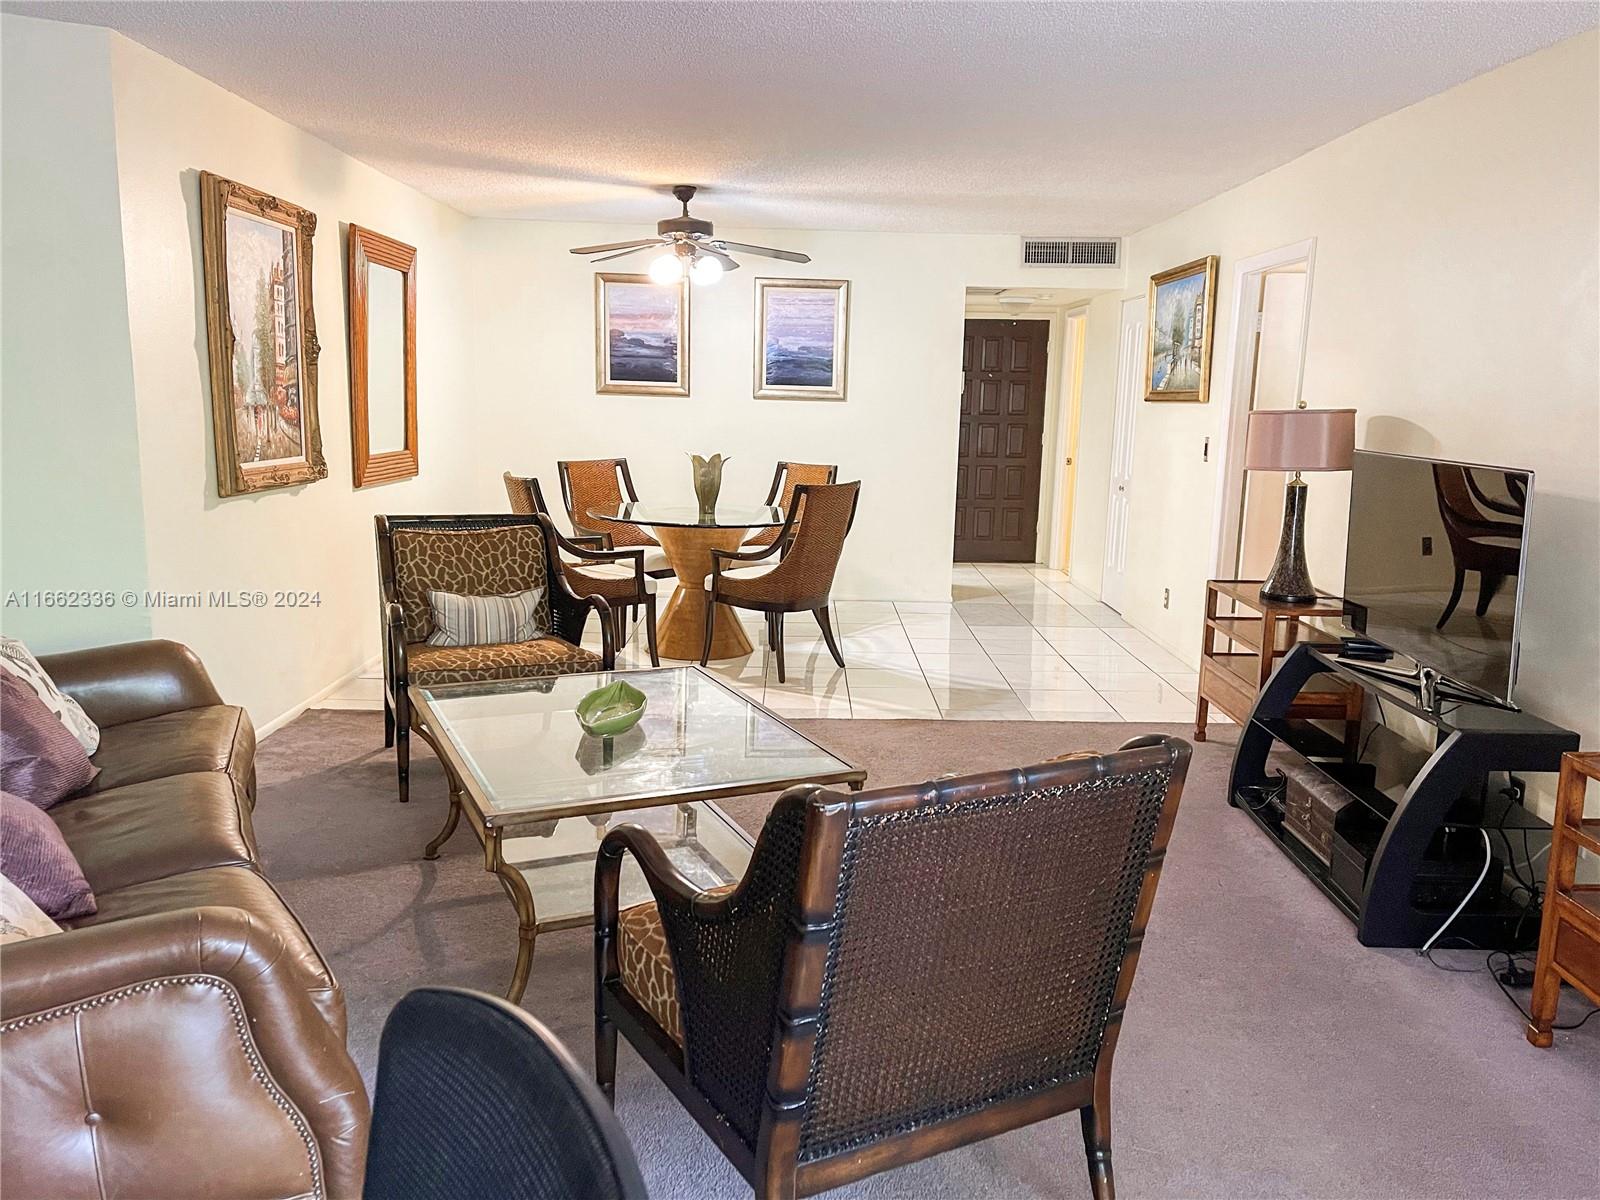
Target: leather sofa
187, 1040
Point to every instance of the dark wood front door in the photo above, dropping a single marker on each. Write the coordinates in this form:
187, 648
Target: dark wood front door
1002, 440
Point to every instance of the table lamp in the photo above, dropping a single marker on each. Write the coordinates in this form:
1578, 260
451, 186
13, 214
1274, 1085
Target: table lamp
1297, 439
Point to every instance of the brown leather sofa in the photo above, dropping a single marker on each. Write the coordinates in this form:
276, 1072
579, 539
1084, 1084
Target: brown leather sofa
187, 1040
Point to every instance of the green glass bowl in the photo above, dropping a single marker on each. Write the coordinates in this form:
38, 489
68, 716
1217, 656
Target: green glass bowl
610, 710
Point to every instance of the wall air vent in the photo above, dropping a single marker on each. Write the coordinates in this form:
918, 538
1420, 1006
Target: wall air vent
1071, 252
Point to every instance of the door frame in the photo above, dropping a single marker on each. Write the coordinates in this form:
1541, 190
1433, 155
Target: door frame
1061, 413
1061, 441
1239, 369
1139, 306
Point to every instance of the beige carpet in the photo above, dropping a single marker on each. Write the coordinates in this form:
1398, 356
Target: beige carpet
1265, 1053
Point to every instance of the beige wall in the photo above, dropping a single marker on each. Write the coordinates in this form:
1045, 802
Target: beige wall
1454, 304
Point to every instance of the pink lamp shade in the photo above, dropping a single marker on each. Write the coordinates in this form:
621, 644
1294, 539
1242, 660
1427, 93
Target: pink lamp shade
1300, 439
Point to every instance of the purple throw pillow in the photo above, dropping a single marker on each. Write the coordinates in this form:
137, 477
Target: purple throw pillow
35, 857
40, 760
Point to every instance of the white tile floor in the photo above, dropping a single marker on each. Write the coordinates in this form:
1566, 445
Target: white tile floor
1015, 642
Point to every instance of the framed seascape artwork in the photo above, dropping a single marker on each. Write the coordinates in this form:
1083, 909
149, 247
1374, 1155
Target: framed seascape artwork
262, 338
1182, 304
641, 336
802, 338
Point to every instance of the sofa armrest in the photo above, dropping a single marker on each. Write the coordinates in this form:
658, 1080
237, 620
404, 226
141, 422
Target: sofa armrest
133, 680
181, 954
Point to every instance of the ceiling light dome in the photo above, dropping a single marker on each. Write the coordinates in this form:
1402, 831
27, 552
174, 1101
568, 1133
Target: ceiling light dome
705, 270
666, 269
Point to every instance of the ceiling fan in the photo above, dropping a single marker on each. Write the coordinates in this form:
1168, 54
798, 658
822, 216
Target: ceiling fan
688, 248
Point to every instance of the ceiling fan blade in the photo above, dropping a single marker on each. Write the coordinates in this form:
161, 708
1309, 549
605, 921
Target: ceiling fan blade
655, 241
728, 264
764, 251
652, 245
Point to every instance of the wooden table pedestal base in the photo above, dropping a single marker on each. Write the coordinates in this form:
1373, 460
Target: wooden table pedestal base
682, 629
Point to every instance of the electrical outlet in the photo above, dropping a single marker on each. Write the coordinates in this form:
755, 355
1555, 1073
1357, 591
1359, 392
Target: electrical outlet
1427, 547
1166, 597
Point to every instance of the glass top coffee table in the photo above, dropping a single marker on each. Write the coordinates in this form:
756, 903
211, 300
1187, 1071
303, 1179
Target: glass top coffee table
540, 793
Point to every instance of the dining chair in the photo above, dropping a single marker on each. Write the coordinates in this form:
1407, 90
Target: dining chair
793, 573
899, 972
618, 575
493, 554
785, 479
476, 1098
605, 483
1478, 542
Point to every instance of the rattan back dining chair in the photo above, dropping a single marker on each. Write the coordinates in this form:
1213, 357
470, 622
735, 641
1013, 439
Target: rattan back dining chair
794, 573
605, 483
785, 479
488, 554
618, 575
900, 971
476, 1098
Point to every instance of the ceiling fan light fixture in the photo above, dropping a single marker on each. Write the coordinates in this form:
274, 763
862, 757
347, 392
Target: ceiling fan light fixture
666, 269
706, 270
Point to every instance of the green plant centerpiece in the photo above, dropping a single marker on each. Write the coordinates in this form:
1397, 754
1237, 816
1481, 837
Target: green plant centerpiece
707, 482
610, 710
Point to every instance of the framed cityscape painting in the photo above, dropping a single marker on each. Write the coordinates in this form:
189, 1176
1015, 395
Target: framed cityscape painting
1182, 319
641, 336
262, 338
802, 338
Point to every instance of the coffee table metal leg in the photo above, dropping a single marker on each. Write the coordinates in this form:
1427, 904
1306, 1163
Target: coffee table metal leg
527, 918
450, 820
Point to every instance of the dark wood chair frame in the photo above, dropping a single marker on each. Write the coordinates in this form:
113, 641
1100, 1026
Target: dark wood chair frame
775, 492
578, 519
772, 1167
569, 613
815, 604
592, 547
1462, 528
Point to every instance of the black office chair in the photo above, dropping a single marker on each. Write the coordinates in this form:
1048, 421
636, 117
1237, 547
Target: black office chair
476, 1098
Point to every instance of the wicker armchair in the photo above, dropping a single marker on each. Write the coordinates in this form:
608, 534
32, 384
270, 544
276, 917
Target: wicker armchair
618, 575
900, 972
785, 479
605, 483
491, 554
794, 573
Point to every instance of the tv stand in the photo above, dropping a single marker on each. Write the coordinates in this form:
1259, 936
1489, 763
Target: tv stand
1385, 851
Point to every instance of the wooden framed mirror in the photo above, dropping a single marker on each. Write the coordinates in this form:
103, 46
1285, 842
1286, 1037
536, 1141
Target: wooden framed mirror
383, 357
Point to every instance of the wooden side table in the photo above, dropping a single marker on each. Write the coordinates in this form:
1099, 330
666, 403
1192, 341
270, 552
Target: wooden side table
1233, 673
1569, 939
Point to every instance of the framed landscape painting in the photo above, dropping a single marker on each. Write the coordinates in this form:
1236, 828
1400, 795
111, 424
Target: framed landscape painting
1182, 319
802, 338
641, 336
261, 337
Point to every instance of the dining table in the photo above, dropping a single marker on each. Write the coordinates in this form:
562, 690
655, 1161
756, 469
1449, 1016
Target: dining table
688, 535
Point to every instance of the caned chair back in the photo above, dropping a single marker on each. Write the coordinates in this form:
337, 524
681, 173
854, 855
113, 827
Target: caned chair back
476, 1098
488, 555
600, 483
963, 944
816, 528
525, 494
785, 479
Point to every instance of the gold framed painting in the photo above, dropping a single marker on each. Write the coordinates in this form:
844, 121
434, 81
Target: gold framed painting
261, 336
641, 336
1183, 305
802, 338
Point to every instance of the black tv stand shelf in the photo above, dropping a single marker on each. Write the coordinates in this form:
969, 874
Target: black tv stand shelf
1385, 850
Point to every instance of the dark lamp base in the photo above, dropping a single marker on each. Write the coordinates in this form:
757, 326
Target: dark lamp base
1289, 581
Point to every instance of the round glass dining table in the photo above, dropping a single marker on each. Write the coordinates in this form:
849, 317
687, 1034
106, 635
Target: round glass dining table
688, 536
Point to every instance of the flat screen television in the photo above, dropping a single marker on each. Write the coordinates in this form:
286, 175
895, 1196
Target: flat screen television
1436, 559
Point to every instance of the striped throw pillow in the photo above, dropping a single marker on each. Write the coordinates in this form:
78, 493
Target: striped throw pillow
484, 620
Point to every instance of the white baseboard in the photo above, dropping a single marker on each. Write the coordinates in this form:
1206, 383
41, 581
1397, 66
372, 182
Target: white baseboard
283, 719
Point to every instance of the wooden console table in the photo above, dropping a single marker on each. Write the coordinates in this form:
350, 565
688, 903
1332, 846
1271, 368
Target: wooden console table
1569, 941
1233, 674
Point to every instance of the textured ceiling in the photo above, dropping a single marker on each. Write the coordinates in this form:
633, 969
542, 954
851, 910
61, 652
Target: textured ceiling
1036, 118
